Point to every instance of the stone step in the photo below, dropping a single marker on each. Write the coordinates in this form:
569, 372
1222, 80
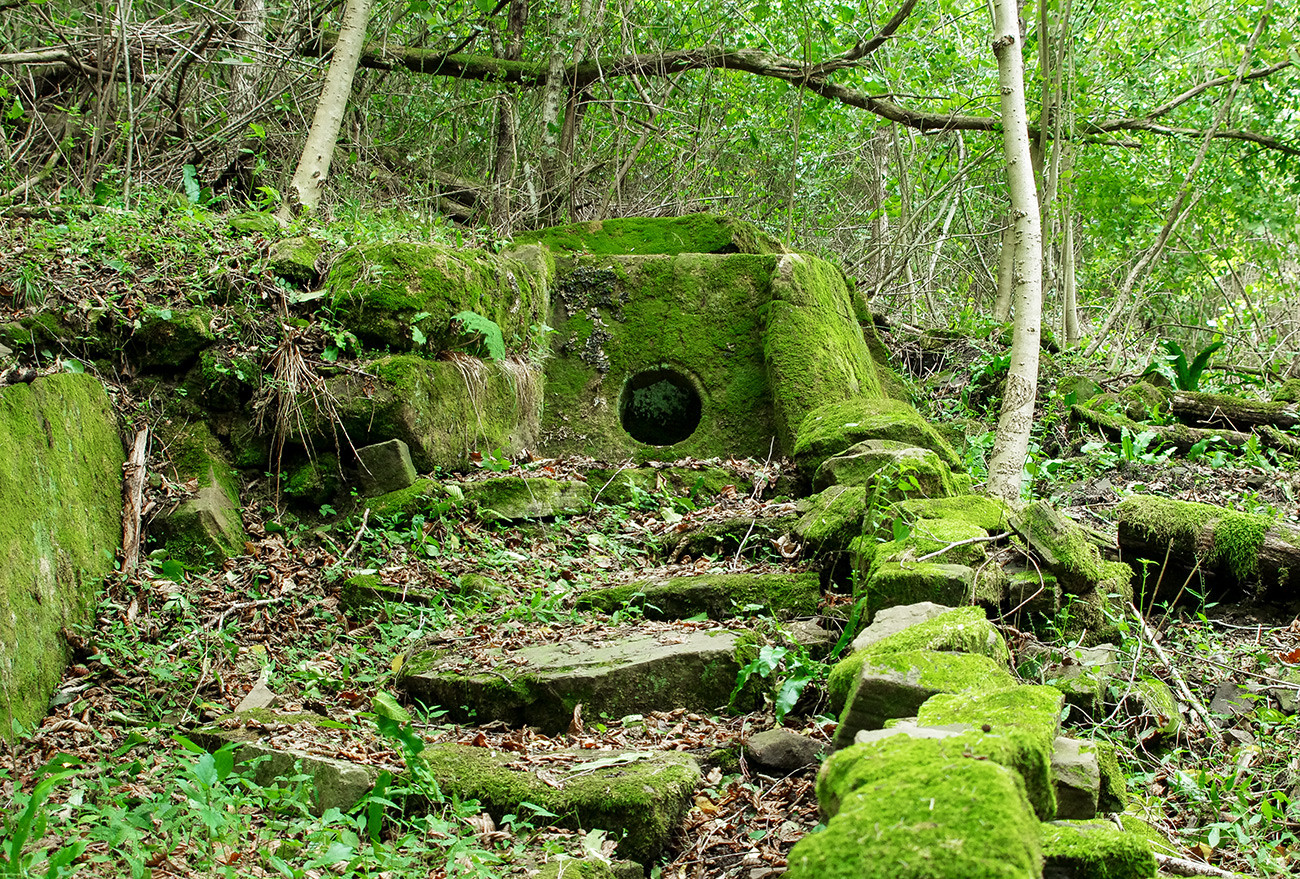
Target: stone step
630, 671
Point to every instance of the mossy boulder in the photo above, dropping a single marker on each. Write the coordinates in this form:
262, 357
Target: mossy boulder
250, 222
907, 571
169, 339
909, 809
294, 259
717, 596
648, 485
833, 518
832, 427
639, 797
1061, 546
61, 496
312, 482
900, 470
442, 410
1287, 392
1153, 702
222, 383
991, 514
812, 346
960, 630
428, 497
1095, 849
666, 236
395, 294
360, 593
207, 528
726, 537
513, 498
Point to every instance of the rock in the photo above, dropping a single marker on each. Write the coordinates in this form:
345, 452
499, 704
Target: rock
1037, 595
893, 620
255, 221
833, 427
514, 498
207, 528
812, 637
655, 670
1061, 546
336, 784
294, 259
313, 482
1082, 674
1153, 703
832, 518
897, 807
474, 585
385, 467
667, 236
170, 340
646, 485
1077, 777
718, 596
753, 536
1231, 701
1287, 696
639, 797
991, 514
361, 592
895, 470
893, 583
893, 685
961, 630
1095, 850
781, 750
260, 696
60, 523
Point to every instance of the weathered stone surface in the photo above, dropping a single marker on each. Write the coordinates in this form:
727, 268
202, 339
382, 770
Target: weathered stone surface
719, 596
893, 620
1032, 594
207, 528
638, 796
631, 673
648, 485
255, 221
363, 591
1062, 547
782, 750
294, 259
336, 784
1077, 777
893, 685
170, 340
1153, 703
899, 470
748, 535
812, 637
907, 809
60, 523
385, 467
512, 498
832, 518
1095, 850
1082, 674
991, 514
893, 583
833, 427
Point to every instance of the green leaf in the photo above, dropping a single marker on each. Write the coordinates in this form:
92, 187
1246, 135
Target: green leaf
190, 180
173, 570
472, 323
417, 336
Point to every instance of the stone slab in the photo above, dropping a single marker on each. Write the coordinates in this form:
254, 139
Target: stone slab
385, 467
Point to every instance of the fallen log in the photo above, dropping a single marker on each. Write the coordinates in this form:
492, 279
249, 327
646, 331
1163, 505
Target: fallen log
1180, 436
1235, 413
1245, 551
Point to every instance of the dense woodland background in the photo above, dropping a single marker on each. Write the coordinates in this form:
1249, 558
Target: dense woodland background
884, 154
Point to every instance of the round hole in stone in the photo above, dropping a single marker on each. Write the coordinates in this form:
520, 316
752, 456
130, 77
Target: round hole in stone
659, 406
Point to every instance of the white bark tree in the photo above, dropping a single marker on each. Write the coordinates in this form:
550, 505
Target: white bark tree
1017, 418
314, 165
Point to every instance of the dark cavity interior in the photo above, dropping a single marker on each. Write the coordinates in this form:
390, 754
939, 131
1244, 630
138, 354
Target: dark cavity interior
659, 407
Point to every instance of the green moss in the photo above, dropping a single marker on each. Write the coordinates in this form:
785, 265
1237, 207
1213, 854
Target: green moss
60, 492
1061, 545
928, 536
207, 528
627, 485
893, 583
884, 464
510, 498
250, 222
991, 514
719, 596
909, 809
640, 800
1142, 400
1027, 720
1287, 392
694, 233
961, 630
168, 340
1158, 705
1096, 850
831, 428
833, 518
938, 672
576, 868
1154, 838
294, 259
1236, 537
1113, 796
312, 482
380, 291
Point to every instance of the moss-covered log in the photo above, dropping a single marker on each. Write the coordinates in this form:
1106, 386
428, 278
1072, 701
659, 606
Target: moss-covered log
1180, 436
1241, 549
1235, 413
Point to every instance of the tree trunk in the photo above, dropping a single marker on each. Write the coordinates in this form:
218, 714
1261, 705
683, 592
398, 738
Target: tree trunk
511, 49
314, 165
246, 76
1006, 273
1017, 419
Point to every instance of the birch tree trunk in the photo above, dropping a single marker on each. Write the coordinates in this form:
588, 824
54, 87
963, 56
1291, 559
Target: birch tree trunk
314, 166
1017, 418
1006, 273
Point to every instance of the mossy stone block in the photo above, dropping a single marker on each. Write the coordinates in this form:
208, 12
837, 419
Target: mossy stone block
514, 498
833, 518
249, 222
991, 514
312, 482
170, 340
667, 236
718, 596
1076, 774
207, 528
294, 259
830, 428
726, 537
639, 797
1095, 849
61, 496
1061, 546
631, 485
385, 467
909, 809
1287, 392
894, 469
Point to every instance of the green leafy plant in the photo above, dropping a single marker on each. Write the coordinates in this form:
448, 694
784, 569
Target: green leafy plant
1174, 366
485, 329
790, 669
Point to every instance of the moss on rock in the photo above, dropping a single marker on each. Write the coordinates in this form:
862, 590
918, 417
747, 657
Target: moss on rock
170, 340
1183, 526
1096, 849
1287, 392
909, 809
382, 291
294, 259
630, 484
718, 596
991, 514
833, 518
902, 470
638, 796
832, 427
668, 236
512, 498
61, 496
207, 528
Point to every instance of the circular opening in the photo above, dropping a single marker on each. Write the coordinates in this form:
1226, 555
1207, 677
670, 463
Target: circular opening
659, 406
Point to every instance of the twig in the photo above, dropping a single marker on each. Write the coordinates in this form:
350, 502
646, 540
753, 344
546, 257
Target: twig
621, 468
133, 499
942, 550
365, 517
735, 561
1183, 689
1184, 867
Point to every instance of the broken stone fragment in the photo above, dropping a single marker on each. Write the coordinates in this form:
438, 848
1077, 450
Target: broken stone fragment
515, 498
1095, 850
781, 750
892, 620
895, 470
1077, 777
385, 467
1082, 674
207, 528
833, 427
